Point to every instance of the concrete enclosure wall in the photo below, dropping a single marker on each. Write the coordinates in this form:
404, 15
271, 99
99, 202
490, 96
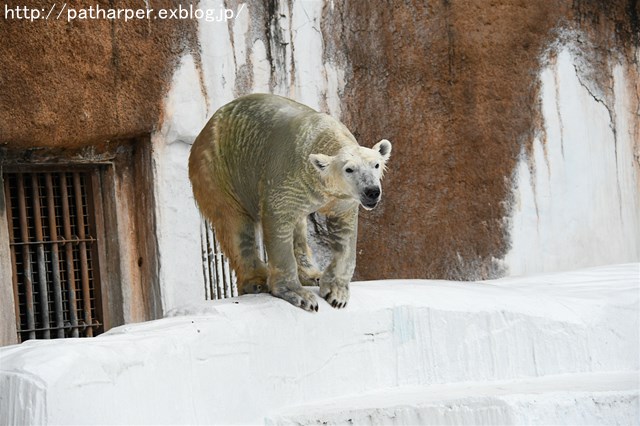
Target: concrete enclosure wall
551, 349
515, 124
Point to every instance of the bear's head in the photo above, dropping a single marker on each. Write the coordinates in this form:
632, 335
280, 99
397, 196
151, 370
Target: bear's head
354, 172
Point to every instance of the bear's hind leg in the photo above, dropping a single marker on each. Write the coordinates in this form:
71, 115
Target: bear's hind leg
308, 272
237, 236
252, 271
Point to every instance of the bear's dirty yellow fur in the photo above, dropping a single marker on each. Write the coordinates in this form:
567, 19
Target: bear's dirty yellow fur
263, 160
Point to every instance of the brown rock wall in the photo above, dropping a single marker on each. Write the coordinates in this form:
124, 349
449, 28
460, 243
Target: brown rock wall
80, 82
454, 84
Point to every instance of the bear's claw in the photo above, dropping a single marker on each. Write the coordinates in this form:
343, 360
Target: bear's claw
338, 305
337, 296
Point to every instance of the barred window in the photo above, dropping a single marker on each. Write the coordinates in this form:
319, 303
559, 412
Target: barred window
51, 215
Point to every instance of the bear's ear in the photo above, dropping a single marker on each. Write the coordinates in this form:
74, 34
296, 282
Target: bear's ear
320, 161
384, 148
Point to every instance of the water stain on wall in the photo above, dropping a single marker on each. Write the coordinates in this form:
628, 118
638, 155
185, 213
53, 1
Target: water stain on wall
455, 86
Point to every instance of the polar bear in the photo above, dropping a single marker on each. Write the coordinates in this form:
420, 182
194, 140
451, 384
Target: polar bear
264, 160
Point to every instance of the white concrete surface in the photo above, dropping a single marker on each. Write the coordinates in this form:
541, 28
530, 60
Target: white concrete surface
246, 359
570, 399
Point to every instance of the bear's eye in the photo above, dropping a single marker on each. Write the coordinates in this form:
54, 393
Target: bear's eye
377, 166
348, 170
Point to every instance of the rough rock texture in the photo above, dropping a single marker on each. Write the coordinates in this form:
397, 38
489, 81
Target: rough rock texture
86, 81
455, 86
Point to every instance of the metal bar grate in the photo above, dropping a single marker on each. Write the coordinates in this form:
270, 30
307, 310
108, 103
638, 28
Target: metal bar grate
219, 278
53, 247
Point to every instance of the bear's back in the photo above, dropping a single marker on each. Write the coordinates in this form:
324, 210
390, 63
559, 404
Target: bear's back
269, 133
264, 139
274, 123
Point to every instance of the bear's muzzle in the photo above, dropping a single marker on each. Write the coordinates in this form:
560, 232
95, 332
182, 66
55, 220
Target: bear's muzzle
370, 197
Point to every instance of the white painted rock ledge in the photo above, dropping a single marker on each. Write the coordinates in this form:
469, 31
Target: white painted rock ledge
559, 348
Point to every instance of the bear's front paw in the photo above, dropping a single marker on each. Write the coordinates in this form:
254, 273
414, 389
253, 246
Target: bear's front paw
297, 296
336, 295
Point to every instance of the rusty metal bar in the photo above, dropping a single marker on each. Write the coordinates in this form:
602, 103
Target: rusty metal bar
218, 263
71, 279
26, 258
96, 227
226, 272
224, 275
205, 260
205, 257
14, 272
64, 327
232, 280
219, 266
73, 240
210, 264
42, 267
84, 266
213, 262
55, 265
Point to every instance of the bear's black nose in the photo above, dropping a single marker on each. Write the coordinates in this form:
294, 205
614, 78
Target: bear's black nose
372, 193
